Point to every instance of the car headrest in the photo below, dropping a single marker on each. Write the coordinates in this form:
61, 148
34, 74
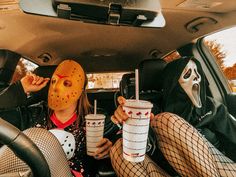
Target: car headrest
150, 74
43, 71
127, 85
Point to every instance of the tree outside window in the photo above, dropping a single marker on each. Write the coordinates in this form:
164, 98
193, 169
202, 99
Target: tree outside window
222, 46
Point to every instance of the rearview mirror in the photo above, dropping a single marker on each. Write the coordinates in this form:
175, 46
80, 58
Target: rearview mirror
142, 13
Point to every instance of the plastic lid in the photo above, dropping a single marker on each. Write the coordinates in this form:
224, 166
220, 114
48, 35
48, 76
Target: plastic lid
138, 104
95, 116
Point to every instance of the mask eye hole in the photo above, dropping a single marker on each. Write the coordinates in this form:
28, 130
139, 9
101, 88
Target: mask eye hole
53, 81
67, 83
188, 74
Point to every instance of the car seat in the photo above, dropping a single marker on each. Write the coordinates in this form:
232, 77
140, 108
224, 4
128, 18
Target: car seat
127, 85
150, 82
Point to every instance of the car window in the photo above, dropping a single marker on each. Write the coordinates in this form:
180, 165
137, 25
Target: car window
222, 46
95, 80
22, 68
104, 80
172, 56
112, 80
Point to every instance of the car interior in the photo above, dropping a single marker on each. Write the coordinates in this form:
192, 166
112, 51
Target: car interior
108, 36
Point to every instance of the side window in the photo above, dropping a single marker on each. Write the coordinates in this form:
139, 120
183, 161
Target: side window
22, 68
172, 56
222, 46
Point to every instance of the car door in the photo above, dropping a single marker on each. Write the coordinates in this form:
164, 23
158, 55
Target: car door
218, 53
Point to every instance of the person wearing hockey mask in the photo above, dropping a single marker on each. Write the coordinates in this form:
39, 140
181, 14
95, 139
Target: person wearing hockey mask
185, 94
68, 104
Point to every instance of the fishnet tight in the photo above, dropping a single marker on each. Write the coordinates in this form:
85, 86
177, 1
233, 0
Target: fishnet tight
49, 146
128, 169
183, 146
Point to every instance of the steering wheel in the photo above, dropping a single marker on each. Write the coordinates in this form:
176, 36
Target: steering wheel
24, 148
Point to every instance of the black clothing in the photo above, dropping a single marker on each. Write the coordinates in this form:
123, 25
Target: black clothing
37, 116
13, 96
212, 119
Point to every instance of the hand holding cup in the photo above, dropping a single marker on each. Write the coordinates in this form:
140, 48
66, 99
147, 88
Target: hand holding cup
103, 149
119, 115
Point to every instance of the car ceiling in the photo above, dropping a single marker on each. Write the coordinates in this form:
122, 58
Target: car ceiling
48, 40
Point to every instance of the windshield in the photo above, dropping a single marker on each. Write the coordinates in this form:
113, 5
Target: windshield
104, 80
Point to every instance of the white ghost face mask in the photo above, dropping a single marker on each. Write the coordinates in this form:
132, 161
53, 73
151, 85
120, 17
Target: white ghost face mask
190, 82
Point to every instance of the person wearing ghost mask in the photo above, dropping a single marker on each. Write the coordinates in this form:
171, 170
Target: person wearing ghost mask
68, 104
183, 146
185, 95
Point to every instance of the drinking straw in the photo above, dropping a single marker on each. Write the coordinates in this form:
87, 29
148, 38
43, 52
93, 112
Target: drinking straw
136, 84
95, 107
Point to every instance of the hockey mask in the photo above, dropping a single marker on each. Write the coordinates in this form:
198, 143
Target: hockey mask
190, 82
66, 85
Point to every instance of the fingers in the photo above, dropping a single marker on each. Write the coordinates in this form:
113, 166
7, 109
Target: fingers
121, 100
26, 82
42, 83
32, 82
104, 147
113, 119
37, 80
151, 116
119, 115
102, 142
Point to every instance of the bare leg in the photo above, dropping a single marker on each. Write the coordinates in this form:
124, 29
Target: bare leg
184, 147
125, 168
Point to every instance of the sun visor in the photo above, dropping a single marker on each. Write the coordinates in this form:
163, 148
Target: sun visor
143, 13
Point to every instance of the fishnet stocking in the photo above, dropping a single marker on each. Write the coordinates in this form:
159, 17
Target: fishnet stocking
226, 166
188, 151
183, 146
49, 146
125, 168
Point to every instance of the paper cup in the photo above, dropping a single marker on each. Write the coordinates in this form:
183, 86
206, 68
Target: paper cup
135, 129
94, 131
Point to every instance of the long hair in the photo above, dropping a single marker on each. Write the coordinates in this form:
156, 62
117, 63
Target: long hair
83, 108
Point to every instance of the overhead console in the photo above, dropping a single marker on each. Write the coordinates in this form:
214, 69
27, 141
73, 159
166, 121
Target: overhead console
142, 13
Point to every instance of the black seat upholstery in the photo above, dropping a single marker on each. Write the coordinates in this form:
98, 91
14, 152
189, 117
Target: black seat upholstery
150, 74
127, 85
150, 82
